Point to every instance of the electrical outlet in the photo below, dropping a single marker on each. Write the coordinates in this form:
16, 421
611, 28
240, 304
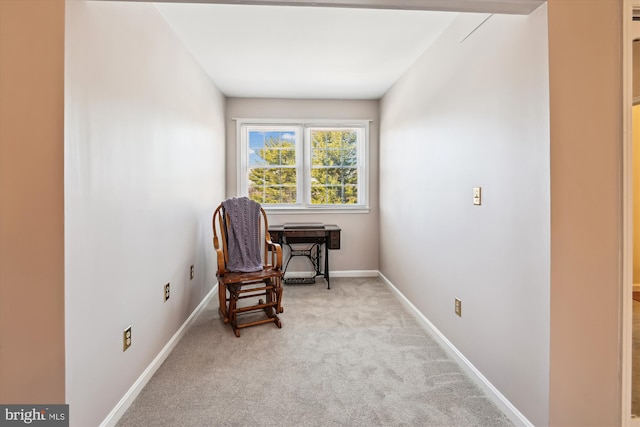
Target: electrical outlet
166, 292
192, 273
458, 307
126, 339
477, 196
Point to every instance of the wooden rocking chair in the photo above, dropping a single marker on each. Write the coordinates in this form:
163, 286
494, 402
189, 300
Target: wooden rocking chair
249, 265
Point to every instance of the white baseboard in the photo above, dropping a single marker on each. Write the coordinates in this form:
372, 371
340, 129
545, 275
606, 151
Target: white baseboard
492, 393
333, 274
118, 411
341, 273
355, 273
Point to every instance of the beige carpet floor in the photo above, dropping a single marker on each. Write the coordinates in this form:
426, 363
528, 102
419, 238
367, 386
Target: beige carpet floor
349, 356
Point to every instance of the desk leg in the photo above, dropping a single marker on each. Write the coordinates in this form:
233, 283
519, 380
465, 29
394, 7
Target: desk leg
326, 263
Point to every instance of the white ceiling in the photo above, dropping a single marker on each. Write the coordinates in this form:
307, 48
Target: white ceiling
340, 49
303, 52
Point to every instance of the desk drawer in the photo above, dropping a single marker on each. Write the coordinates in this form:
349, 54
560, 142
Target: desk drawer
334, 239
305, 233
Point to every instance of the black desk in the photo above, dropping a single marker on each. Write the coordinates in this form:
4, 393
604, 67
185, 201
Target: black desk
316, 234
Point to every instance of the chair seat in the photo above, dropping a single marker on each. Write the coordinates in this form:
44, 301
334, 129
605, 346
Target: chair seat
251, 277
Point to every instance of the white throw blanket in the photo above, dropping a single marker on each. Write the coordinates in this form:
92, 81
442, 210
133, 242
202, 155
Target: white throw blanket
243, 239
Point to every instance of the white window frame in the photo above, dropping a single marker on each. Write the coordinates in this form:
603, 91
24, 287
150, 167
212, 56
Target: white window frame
303, 160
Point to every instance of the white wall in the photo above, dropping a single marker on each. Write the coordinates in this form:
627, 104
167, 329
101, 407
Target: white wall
144, 169
359, 235
475, 113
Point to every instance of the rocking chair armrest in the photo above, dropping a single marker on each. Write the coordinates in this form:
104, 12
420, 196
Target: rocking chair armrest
221, 266
275, 247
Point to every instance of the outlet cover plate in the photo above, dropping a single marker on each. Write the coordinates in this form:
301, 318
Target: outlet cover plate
126, 339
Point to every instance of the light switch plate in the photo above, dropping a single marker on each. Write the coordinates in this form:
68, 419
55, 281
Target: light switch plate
477, 196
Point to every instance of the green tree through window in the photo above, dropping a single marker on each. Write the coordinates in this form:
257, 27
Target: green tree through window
334, 167
298, 166
272, 174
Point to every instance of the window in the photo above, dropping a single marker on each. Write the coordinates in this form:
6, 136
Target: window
304, 165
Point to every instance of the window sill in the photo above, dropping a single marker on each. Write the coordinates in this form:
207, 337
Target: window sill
311, 211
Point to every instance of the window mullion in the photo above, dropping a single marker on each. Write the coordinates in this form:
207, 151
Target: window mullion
306, 167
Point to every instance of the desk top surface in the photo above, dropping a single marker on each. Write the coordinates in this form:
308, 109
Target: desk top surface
302, 226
